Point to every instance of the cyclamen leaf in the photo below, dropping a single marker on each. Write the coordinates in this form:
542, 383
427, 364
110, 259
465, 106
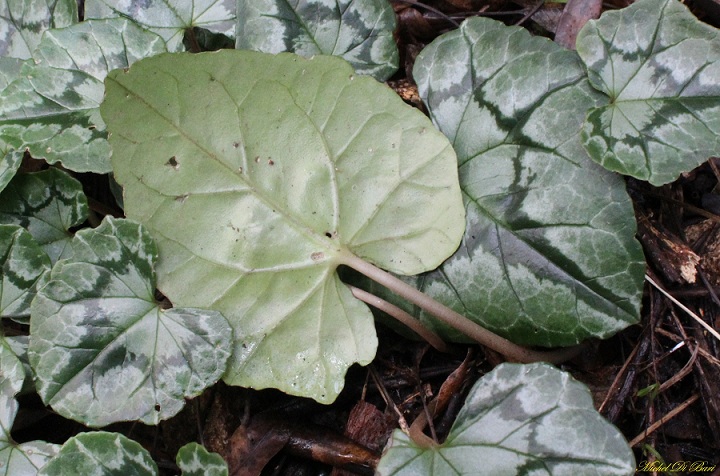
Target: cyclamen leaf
102, 348
9, 70
25, 458
47, 204
549, 255
194, 460
9, 165
101, 453
519, 420
23, 264
170, 19
660, 67
360, 31
52, 108
22, 23
301, 167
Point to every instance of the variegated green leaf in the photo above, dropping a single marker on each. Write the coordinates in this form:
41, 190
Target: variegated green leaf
16, 459
101, 453
9, 70
660, 68
549, 255
360, 31
52, 108
22, 23
23, 264
194, 460
102, 348
9, 165
170, 19
300, 167
47, 204
519, 420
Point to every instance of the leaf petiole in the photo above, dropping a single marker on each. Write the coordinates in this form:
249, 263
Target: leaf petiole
452, 318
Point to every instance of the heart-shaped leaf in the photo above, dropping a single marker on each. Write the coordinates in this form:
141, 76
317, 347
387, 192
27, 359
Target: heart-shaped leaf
9, 70
47, 204
301, 166
25, 458
170, 19
23, 263
660, 68
360, 31
22, 23
52, 108
103, 350
549, 255
194, 460
101, 453
519, 419
9, 165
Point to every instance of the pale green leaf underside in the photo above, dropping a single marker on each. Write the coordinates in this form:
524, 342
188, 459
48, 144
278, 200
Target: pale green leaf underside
23, 262
549, 256
660, 67
170, 19
258, 175
194, 460
519, 420
360, 31
22, 23
102, 349
52, 108
101, 453
16, 459
47, 204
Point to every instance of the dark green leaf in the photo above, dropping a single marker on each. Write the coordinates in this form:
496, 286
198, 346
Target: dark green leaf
102, 348
549, 255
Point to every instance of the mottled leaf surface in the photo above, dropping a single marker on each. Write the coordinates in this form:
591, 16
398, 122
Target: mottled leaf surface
360, 31
52, 108
549, 256
101, 453
258, 175
9, 165
47, 204
16, 459
23, 263
194, 460
660, 68
519, 420
22, 23
170, 19
102, 348
9, 70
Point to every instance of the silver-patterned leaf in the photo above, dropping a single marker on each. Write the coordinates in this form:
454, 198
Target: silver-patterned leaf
194, 460
519, 420
549, 255
660, 68
9, 165
170, 19
52, 108
9, 70
22, 23
103, 350
47, 204
101, 453
360, 31
23, 263
16, 459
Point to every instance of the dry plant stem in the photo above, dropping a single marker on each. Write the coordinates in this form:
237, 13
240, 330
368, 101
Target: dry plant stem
683, 307
402, 316
672, 414
476, 332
